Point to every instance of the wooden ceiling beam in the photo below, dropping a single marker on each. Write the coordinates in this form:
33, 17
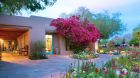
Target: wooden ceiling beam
10, 35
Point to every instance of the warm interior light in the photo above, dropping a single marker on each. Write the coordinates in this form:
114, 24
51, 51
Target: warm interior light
48, 43
48, 36
1, 40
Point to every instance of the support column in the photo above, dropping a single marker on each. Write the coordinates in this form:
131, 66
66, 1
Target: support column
62, 45
36, 34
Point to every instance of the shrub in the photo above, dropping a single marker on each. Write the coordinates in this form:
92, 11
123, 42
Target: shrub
84, 56
77, 33
39, 51
134, 42
38, 55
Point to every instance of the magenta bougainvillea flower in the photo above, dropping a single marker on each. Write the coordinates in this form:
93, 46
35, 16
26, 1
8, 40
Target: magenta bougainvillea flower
76, 31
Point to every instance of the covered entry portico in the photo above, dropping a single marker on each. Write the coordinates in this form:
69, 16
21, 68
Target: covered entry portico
14, 39
30, 30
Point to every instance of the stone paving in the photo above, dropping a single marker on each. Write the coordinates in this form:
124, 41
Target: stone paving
13, 66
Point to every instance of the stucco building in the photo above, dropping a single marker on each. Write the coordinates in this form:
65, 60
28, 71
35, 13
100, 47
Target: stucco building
28, 30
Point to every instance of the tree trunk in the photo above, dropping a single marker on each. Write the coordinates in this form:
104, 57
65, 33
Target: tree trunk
92, 47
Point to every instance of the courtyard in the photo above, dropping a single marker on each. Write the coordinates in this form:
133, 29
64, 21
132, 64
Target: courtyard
13, 66
69, 39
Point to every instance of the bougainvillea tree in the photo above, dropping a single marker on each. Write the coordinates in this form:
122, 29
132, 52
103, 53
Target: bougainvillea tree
78, 33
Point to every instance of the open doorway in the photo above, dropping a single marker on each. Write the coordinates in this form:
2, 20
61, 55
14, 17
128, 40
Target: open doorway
49, 44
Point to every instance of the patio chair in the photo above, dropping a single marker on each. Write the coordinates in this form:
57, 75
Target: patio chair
24, 50
19, 51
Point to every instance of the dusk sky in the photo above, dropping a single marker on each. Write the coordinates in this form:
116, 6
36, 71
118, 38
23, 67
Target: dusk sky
130, 9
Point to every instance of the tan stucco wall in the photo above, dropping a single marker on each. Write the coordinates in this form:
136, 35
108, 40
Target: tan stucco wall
59, 42
14, 20
62, 45
56, 44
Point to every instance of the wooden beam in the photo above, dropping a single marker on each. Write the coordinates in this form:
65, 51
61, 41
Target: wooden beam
10, 35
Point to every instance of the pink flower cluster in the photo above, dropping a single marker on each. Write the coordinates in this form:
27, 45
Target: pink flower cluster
105, 70
77, 31
123, 72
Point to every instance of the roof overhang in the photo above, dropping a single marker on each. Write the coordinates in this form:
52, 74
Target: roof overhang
11, 32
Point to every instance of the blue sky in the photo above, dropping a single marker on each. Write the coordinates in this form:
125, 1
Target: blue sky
130, 9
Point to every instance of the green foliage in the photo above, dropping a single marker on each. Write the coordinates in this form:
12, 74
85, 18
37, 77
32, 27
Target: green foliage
111, 45
109, 25
104, 50
84, 55
81, 11
14, 6
77, 49
136, 36
103, 41
39, 45
136, 32
134, 42
38, 53
118, 40
88, 69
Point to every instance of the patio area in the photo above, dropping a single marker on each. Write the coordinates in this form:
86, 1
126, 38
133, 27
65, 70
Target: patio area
13, 66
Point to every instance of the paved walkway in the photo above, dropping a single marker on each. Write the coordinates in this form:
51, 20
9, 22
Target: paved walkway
14, 66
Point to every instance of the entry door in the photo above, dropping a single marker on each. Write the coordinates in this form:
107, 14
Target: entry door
49, 44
